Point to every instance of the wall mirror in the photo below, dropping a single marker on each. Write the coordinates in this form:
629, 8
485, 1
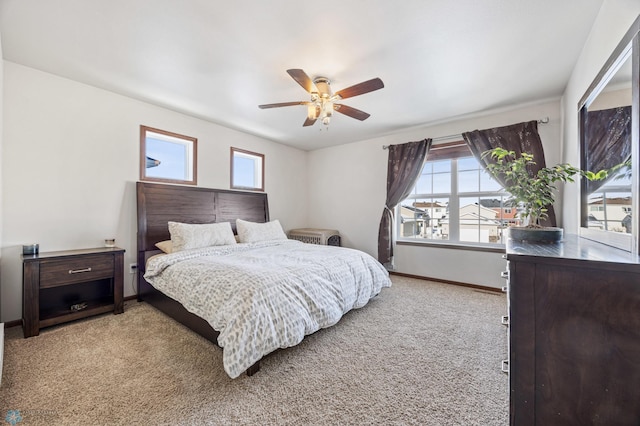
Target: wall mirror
608, 118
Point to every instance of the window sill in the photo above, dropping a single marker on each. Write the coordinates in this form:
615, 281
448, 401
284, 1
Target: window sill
454, 246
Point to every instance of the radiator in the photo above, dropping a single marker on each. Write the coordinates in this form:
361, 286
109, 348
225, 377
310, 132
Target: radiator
327, 237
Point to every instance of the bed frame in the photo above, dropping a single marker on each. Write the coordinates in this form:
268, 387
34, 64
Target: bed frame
161, 203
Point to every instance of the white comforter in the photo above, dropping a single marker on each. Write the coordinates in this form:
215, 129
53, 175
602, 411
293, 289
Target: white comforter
268, 295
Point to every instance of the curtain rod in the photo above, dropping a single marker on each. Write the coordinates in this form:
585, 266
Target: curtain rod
544, 120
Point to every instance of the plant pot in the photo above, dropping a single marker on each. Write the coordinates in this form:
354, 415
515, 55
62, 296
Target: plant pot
547, 235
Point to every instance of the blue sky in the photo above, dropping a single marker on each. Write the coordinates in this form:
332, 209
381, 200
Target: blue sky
172, 157
243, 172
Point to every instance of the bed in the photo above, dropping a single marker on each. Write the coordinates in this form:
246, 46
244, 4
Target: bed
251, 297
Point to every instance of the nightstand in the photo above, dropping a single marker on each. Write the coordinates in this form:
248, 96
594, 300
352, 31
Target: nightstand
63, 286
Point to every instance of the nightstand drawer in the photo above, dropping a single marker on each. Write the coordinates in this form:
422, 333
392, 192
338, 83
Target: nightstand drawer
86, 268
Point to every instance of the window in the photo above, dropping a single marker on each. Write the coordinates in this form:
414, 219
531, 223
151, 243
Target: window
455, 200
167, 157
610, 205
247, 170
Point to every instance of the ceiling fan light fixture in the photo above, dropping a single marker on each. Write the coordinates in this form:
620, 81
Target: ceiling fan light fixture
327, 108
327, 112
312, 112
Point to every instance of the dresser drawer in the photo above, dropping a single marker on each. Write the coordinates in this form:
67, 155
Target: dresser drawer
68, 271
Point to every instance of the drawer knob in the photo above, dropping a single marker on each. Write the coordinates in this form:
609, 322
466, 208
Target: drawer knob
78, 271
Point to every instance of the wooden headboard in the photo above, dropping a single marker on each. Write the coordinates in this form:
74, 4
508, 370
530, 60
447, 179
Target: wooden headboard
160, 203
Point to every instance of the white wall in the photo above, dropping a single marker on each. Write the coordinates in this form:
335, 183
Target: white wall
70, 163
613, 21
347, 189
1, 202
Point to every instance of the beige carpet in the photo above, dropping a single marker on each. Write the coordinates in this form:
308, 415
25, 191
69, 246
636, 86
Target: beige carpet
420, 353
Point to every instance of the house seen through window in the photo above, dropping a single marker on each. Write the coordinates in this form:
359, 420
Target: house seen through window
610, 205
455, 200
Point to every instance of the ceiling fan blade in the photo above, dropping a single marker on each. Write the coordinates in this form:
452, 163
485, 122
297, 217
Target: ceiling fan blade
351, 112
303, 80
309, 122
282, 104
361, 88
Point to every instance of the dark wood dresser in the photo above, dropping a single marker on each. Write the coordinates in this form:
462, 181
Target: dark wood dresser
67, 285
574, 334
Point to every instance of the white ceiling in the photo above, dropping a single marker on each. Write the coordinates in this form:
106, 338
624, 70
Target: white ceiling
218, 60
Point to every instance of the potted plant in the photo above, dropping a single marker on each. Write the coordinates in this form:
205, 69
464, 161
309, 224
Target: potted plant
532, 193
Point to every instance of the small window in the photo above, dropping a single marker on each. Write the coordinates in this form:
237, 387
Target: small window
247, 170
167, 157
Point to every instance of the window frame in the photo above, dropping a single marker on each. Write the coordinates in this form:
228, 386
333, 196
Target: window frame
451, 151
191, 156
259, 166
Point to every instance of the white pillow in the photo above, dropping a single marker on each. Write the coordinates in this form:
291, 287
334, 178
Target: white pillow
252, 232
185, 236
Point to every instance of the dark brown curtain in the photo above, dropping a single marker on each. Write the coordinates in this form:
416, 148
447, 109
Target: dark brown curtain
403, 170
608, 140
521, 137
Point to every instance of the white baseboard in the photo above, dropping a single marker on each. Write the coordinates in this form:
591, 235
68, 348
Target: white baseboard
1, 348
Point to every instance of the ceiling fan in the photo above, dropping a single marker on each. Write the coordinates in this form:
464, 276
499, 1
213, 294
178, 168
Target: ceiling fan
323, 102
